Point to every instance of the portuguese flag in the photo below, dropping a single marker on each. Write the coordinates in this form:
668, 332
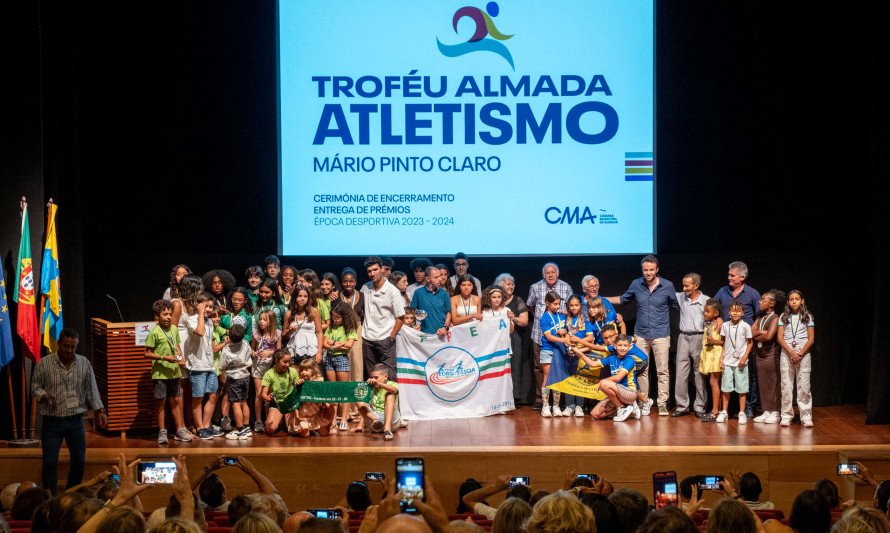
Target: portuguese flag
26, 323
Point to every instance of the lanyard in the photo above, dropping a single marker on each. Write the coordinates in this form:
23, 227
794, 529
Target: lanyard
553, 319
733, 335
466, 305
765, 319
66, 373
169, 339
794, 327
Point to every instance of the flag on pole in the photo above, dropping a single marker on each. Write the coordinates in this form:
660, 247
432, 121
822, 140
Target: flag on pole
6, 353
50, 285
26, 323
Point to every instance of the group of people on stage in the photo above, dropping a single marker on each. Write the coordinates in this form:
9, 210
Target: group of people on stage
285, 326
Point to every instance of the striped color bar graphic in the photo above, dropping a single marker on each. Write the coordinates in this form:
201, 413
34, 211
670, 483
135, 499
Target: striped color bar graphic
638, 166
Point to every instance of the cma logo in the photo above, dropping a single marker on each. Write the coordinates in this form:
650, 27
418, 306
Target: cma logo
569, 215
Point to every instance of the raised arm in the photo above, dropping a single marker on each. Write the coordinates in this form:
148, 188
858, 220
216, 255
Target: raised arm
479, 495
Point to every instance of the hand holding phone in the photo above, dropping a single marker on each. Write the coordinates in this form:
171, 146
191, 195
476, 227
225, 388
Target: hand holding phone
592, 477
230, 461
155, 472
375, 476
409, 482
847, 469
664, 488
519, 480
709, 483
325, 513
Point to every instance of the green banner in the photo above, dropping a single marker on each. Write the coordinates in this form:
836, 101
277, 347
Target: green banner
326, 392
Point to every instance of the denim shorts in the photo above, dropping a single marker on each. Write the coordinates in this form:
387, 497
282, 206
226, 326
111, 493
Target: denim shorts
203, 382
336, 363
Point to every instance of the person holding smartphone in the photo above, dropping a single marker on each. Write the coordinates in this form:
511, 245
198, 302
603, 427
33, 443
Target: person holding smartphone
475, 500
212, 490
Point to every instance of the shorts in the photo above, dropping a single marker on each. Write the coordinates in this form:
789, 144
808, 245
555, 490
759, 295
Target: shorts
735, 379
396, 418
546, 357
167, 388
238, 389
204, 382
335, 363
273, 404
260, 367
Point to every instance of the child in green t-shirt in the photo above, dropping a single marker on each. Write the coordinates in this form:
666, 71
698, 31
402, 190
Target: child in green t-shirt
162, 347
383, 412
277, 383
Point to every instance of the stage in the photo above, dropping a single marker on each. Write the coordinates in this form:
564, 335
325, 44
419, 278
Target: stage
315, 471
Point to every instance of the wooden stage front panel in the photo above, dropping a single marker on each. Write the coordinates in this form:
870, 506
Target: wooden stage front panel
314, 472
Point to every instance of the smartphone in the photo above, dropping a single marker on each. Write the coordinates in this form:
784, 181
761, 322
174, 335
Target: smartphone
325, 513
664, 487
230, 461
847, 469
592, 477
409, 481
114, 477
374, 476
709, 483
519, 480
155, 472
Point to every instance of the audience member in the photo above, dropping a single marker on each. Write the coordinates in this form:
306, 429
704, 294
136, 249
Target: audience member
257, 523
212, 490
561, 511
239, 506
466, 487
666, 520
810, 513
474, 500
511, 516
729, 515
78, 514
462, 526
828, 490
26, 502
177, 525
631, 506
604, 512
122, 520
749, 489
272, 506
860, 520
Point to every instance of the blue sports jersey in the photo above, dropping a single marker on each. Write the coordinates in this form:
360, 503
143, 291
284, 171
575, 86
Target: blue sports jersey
615, 365
551, 322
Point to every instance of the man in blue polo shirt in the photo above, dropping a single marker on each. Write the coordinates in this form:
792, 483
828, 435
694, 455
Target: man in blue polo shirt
738, 290
435, 302
654, 296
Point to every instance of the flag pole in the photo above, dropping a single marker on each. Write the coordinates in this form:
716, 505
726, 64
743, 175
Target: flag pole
24, 205
12, 399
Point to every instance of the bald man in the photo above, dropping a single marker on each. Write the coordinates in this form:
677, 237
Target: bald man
403, 523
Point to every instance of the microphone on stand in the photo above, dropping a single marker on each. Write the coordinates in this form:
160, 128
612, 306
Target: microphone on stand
121, 315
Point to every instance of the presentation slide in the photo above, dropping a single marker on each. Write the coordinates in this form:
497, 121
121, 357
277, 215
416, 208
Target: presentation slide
492, 128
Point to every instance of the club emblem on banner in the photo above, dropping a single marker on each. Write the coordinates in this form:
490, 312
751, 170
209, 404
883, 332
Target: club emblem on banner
452, 373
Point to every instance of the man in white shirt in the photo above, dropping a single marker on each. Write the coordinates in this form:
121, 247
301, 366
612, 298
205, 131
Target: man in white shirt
384, 311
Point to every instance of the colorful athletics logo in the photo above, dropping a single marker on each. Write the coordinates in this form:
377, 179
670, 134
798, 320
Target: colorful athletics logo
484, 27
451, 373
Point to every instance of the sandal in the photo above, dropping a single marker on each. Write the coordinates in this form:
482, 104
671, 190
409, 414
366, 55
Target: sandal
387, 435
343, 426
709, 417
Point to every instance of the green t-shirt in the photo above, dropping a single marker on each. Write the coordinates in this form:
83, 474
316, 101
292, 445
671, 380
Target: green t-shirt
228, 320
378, 398
280, 384
324, 309
219, 335
163, 343
338, 334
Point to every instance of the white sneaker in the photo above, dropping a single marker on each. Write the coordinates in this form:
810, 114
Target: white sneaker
623, 412
722, 416
785, 422
638, 413
743, 418
555, 411
579, 413
646, 408
762, 418
545, 412
807, 422
773, 418
568, 411
233, 435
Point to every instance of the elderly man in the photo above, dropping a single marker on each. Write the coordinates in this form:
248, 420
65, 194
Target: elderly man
65, 388
535, 302
461, 266
689, 345
654, 296
739, 291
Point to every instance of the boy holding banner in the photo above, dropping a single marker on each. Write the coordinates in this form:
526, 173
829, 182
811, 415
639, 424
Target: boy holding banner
383, 412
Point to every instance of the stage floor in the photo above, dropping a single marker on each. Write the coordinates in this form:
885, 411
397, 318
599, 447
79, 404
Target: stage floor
523, 428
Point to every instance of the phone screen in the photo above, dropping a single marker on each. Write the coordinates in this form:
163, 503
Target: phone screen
664, 487
156, 472
374, 476
592, 477
519, 480
230, 461
709, 482
409, 481
847, 469
324, 513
